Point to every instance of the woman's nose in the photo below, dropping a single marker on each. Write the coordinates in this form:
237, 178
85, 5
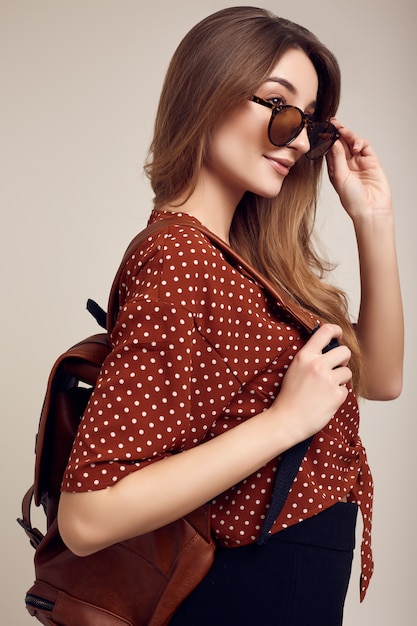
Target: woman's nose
301, 142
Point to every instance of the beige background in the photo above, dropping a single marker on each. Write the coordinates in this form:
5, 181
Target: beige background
80, 81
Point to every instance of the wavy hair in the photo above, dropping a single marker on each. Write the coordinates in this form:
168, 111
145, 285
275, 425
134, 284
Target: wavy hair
218, 65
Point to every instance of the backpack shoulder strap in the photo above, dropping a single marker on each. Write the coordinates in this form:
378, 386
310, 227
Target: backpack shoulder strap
282, 299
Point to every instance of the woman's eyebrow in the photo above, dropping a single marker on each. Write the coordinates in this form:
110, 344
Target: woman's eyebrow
289, 86
285, 83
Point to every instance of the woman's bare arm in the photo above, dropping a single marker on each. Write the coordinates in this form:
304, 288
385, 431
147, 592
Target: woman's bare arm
358, 178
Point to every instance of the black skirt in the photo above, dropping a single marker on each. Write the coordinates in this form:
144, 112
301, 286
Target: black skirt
299, 578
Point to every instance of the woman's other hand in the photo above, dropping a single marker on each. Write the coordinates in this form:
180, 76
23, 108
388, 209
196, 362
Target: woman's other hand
314, 386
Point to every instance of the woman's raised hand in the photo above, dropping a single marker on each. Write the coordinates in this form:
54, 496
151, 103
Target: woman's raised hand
357, 175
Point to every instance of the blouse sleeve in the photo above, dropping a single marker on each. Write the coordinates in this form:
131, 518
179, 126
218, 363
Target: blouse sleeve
140, 409
160, 389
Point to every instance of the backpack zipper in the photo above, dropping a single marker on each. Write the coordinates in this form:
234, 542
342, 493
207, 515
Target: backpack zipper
39, 603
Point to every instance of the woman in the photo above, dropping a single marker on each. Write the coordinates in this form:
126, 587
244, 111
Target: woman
202, 364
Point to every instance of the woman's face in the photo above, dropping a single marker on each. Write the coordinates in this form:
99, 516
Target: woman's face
241, 158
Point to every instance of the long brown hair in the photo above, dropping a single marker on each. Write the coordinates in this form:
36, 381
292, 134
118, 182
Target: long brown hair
218, 65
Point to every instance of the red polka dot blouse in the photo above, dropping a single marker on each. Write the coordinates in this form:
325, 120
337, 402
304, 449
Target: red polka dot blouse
197, 350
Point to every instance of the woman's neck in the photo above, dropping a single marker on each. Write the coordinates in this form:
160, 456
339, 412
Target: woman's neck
212, 204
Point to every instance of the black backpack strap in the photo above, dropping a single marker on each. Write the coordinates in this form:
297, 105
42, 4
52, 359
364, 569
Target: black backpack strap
287, 471
97, 312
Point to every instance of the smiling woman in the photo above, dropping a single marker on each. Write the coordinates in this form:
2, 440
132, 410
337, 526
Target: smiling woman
209, 381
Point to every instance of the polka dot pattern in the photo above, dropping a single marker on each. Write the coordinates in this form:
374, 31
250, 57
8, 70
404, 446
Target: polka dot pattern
197, 350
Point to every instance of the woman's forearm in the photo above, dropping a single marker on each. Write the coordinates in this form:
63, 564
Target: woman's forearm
168, 489
380, 325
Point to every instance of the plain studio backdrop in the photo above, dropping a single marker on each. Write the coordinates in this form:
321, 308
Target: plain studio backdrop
80, 80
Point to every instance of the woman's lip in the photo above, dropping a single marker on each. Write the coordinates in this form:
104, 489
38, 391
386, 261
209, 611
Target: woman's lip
280, 165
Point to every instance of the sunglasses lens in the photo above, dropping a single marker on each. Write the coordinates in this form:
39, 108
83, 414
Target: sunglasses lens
287, 123
285, 126
321, 136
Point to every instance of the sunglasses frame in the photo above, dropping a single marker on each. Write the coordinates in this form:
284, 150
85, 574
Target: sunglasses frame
306, 121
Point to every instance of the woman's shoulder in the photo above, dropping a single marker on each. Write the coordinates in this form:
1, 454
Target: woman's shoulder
179, 257
175, 238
